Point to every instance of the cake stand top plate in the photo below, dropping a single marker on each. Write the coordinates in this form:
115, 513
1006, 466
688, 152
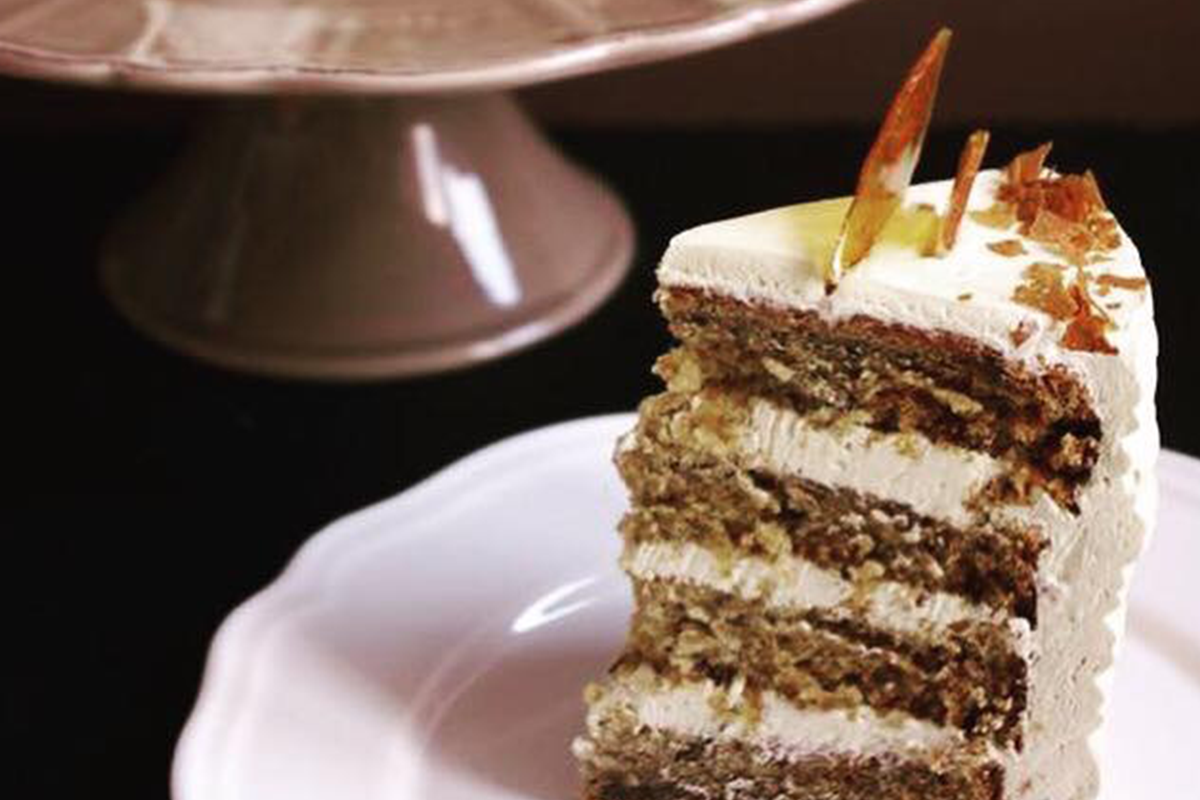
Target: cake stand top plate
365, 46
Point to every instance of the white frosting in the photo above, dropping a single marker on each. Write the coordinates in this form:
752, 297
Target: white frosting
690, 709
795, 583
777, 257
936, 481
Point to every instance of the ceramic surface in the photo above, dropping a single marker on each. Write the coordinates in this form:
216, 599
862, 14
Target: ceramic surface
435, 645
367, 45
358, 238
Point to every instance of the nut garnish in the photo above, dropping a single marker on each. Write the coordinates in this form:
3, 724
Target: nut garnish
968, 168
888, 168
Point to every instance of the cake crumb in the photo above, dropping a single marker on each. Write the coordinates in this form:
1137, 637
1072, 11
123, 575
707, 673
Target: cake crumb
1022, 332
908, 444
778, 370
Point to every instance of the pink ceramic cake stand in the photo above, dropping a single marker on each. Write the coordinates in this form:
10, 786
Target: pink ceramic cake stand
374, 203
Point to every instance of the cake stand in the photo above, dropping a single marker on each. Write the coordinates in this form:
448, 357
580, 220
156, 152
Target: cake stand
368, 200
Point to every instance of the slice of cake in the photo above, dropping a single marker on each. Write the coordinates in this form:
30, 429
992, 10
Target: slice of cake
883, 515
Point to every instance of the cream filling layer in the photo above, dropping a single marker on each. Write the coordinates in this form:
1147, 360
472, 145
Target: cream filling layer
798, 584
935, 480
691, 709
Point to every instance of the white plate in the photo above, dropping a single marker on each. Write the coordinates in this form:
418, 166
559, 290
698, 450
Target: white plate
435, 645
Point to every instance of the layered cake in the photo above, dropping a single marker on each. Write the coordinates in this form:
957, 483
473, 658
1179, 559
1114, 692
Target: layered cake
883, 515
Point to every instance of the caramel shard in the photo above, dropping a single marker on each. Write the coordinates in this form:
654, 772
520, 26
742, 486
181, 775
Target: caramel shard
1117, 282
1027, 167
888, 168
1008, 248
1000, 216
1066, 213
965, 296
968, 168
1087, 328
1045, 290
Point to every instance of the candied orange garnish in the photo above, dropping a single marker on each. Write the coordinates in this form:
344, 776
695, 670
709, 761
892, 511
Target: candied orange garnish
888, 168
968, 168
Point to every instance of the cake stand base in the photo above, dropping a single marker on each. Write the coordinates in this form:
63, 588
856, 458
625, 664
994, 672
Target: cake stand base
363, 238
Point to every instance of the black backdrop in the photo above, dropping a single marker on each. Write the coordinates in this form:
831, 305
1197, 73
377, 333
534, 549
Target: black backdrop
148, 494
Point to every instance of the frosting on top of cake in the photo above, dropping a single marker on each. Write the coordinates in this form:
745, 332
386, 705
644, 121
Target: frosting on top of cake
778, 256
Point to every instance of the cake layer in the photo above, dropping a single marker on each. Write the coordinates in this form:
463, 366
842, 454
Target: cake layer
687, 493
689, 484
654, 765
897, 379
970, 676
649, 738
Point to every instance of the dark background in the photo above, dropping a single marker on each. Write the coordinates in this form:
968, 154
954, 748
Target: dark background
149, 494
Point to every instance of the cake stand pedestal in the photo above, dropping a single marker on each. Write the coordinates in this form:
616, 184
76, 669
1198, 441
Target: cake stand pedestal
357, 237
372, 204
